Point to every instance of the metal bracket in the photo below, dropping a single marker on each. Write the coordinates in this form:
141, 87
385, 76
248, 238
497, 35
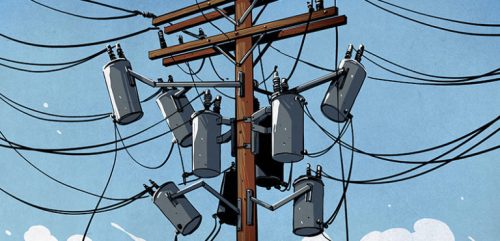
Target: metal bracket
224, 138
225, 54
247, 12
225, 16
223, 121
303, 191
241, 80
249, 207
250, 51
261, 129
239, 222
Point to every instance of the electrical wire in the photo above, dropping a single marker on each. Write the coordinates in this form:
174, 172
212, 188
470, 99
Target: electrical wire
139, 163
264, 79
213, 230
210, 21
80, 44
182, 164
71, 65
87, 17
302, 42
442, 18
105, 187
216, 233
57, 180
54, 64
144, 14
431, 25
328, 148
62, 150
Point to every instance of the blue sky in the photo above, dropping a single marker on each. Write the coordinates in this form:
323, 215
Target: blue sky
388, 118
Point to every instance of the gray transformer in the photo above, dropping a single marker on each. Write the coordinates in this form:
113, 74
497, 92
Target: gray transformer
179, 211
206, 148
341, 94
122, 91
288, 128
308, 208
177, 111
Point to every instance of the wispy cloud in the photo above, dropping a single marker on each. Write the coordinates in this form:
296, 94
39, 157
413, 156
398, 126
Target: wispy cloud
8, 232
133, 237
78, 237
39, 233
425, 230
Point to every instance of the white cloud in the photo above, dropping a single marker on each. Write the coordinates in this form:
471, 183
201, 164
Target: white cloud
471, 239
425, 230
133, 237
78, 237
46, 105
319, 237
8, 232
59, 132
38, 233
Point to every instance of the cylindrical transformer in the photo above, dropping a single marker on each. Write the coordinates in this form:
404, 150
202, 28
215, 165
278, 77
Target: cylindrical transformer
268, 172
122, 91
177, 111
206, 149
179, 211
229, 190
341, 94
308, 208
287, 128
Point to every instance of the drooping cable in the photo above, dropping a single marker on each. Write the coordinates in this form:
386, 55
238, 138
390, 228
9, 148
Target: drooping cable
80, 45
138, 162
213, 229
328, 148
264, 80
302, 43
105, 187
87, 17
57, 150
210, 21
182, 164
142, 13
57, 180
431, 25
217, 232
441, 18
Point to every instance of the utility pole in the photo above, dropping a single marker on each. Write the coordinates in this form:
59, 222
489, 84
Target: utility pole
244, 109
243, 40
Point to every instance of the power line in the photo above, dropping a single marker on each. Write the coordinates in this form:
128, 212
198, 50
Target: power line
302, 42
144, 14
56, 180
87, 17
62, 150
139, 163
433, 26
442, 18
80, 44
105, 187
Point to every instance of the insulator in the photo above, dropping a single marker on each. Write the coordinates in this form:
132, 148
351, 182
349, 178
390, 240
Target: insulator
201, 34
111, 54
229, 190
284, 85
181, 39
161, 37
348, 54
217, 104
320, 5
179, 211
308, 210
276, 82
207, 99
310, 7
318, 171
120, 52
122, 91
359, 54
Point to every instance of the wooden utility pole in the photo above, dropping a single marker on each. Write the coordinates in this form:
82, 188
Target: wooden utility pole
244, 109
242, 40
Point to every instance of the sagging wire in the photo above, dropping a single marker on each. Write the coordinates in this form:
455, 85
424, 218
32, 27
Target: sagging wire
143, 165
214, 216
210, 21
134, 14
302, 42
184, 173
431, 25
142, 13
62, 150
57, 180
80, 45
264, 79
105, 187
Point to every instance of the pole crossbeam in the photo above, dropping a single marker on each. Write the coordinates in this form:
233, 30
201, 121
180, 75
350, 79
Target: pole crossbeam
268, 38
243, 32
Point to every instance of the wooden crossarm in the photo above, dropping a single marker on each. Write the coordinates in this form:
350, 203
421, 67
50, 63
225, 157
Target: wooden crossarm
187, 11
251, 31
278, 35
210, 16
